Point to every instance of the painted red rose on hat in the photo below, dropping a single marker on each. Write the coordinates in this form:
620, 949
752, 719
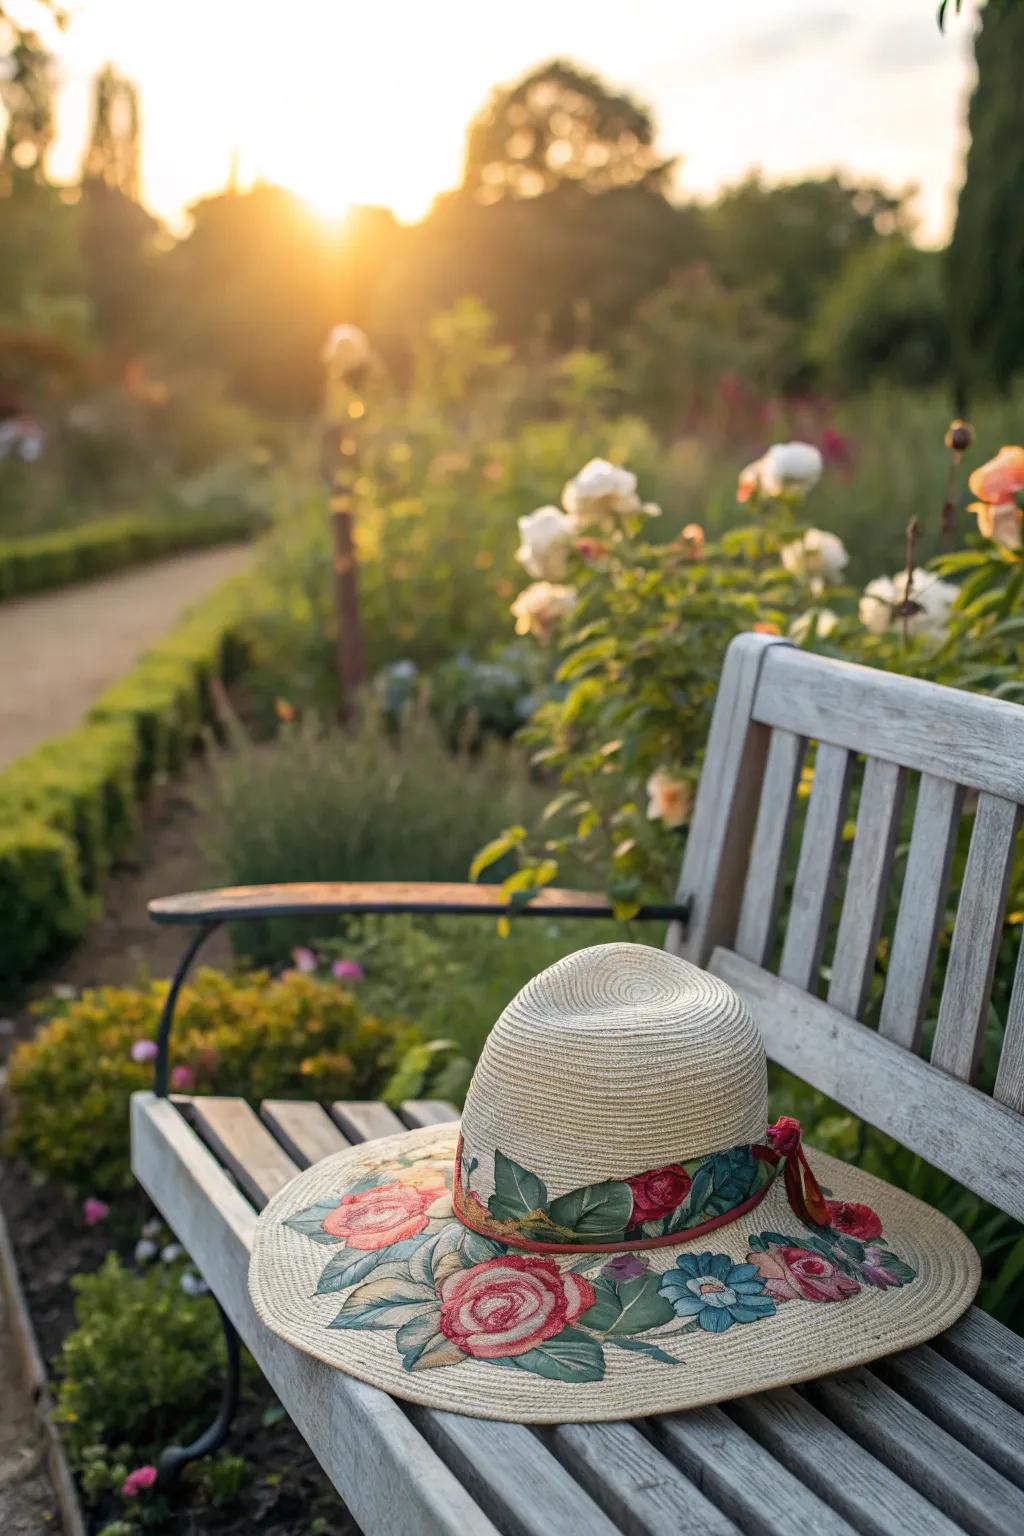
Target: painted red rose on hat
510, 1305
658, 1192
376, 1218
855, 1220
791, 1273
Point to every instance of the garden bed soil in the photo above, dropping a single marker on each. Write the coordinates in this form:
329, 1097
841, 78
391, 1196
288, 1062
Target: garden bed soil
285, 1494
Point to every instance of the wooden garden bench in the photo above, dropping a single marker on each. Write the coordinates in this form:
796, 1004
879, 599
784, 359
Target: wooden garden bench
925, 1443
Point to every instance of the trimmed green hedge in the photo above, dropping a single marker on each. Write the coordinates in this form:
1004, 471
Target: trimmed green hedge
114, 544
69, 808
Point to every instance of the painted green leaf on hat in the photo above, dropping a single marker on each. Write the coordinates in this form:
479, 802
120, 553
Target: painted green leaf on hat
633, 1305
517, 1192
594, 1212
310, 1222
571, 1355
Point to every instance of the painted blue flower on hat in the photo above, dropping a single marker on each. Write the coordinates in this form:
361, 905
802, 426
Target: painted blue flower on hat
716, 1291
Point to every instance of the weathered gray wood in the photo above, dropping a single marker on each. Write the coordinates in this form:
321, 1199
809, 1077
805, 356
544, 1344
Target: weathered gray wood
718, 843
968, 737
417, 1112
634, 1483
741, 1477
755, 934
988, 1352
923, 1453
1009, 1087
860, 923
244, 1145
951, 1125
305, 1130
816, 869
963, 1011
871, 1496
947, 1395
365, 1120
921, 911
512, 1476
388, 1476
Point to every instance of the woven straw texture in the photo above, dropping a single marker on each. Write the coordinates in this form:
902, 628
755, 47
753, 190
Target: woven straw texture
617, 1060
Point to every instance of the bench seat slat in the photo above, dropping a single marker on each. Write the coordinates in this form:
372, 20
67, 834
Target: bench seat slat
243, 1144
306, 1131
924, 1454
365, 1120
638, 1487
742, 1477
875, 1499
982, 1421
418, 1112
381, 1465
987, 1351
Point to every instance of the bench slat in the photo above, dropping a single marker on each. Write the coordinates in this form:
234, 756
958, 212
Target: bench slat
982, 1421
638, 1487
921, 911
816, 868
987, 1351
766, 871
742, 1477
924, 1454
380, 1464
243, 1144
513, 1477
305, 1130
872, 1497
418, 1112
1009, 1087
365, 1120
860, 923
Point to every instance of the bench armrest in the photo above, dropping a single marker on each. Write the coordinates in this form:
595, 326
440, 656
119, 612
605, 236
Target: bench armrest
430, 899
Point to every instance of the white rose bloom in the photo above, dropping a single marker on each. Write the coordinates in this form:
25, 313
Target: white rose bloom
546, 536
669, 798
818, 558
819, 622
346, 349
790, 468
145, 1249
600, 488
885, 595
541, 607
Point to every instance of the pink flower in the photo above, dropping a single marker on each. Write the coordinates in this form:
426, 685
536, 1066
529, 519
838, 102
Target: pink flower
94, 1211
135, 1482
873, 1271
376, 1218
143, 1050
506, 1306
790, 1273
855, 1220
182, 1077
658, 1192
305, 959
347, 970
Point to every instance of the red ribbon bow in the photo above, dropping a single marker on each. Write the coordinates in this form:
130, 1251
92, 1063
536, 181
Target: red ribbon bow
805, 1196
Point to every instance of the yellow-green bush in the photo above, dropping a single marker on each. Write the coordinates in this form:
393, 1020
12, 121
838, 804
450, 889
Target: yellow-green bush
294, 1037
113, 544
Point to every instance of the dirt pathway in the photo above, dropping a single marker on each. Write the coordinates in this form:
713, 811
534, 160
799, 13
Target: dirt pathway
60, 650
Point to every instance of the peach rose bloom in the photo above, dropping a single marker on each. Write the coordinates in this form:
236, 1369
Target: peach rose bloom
669, 799
376, 1218
997, 485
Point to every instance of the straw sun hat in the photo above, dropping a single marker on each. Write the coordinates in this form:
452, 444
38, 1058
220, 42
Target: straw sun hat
616, 1231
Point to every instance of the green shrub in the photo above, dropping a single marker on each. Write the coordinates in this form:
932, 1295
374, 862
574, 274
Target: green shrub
366, 804
295, 1037
138, 1372
41, 895
113, 544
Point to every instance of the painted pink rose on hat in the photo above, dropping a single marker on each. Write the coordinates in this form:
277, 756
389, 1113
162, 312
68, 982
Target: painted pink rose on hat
791, 1273
853, 1219
510, 1305
376, 1218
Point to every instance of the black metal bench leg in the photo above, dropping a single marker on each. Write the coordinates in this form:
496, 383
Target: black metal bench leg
175, 1457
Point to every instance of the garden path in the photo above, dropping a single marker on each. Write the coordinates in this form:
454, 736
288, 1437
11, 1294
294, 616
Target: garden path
60, 650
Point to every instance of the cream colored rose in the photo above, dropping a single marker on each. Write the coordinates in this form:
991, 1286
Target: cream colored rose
818, 623
547, 537
883, 597
669, 798
787, 469
346, 349
1001, 522
817, 558
541, 607
602, 490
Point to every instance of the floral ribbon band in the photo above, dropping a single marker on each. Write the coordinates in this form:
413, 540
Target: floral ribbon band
655, 1209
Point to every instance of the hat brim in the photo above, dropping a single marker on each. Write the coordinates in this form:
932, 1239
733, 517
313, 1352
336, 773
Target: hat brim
441, 1316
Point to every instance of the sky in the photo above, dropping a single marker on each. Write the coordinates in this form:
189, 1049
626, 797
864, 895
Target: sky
367, 103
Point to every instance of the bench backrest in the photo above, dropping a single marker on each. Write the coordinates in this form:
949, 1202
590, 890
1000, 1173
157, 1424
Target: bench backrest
894, 742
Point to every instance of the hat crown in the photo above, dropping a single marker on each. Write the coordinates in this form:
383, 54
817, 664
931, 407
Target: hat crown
618, 1059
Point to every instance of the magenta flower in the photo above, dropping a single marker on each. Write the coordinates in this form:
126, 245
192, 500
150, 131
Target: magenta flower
135, 1482
347, 970
182, 1077
305, 959
143, 1050
94, 1211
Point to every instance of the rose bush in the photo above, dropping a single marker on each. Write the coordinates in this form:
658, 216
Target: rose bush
507, 1306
